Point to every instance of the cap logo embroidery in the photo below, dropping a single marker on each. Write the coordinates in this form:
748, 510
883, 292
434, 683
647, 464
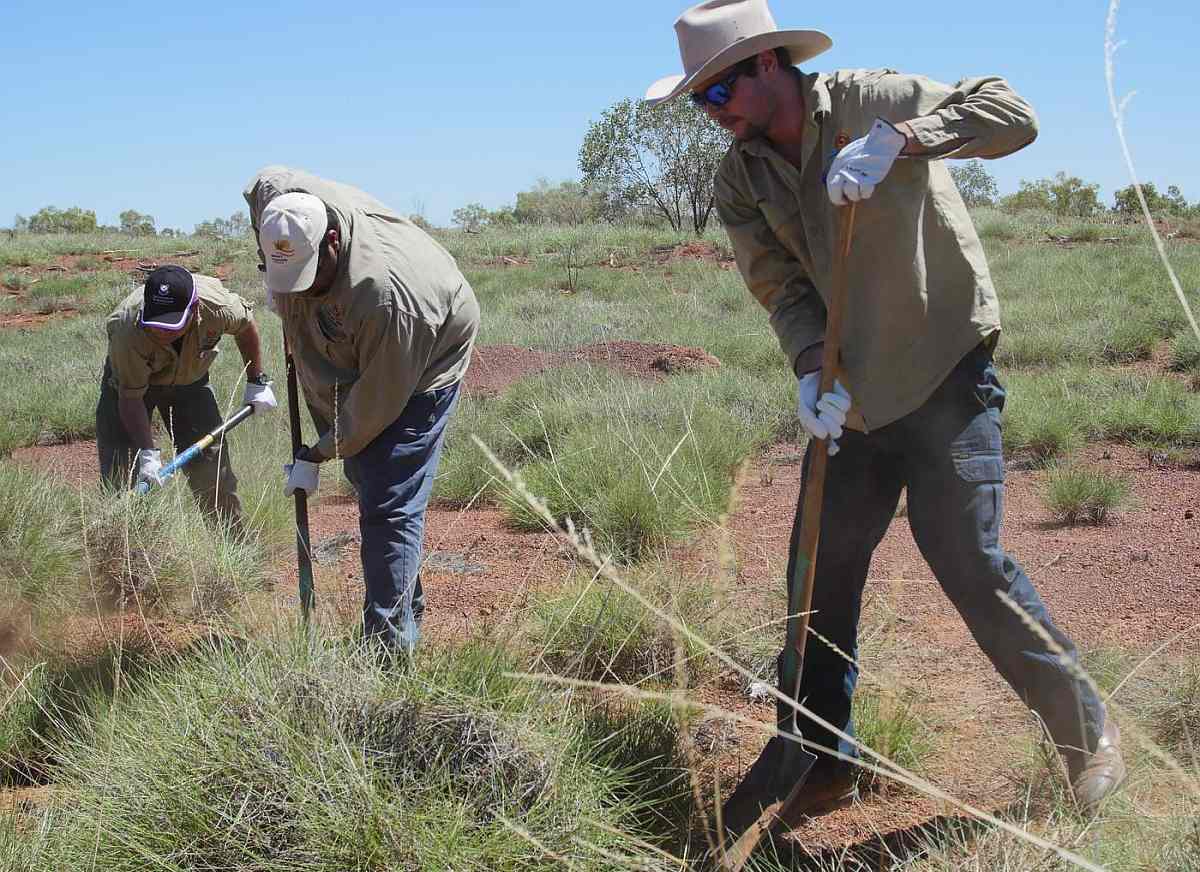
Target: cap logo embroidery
283, 251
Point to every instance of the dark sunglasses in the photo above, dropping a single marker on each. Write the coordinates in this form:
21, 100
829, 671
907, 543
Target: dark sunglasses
718, 94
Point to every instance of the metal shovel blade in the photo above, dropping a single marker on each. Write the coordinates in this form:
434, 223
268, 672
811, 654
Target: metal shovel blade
795, 757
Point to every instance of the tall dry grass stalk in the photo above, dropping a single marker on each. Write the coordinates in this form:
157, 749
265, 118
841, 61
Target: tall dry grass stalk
1118, 112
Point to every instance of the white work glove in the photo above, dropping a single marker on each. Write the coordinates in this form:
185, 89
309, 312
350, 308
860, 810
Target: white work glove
301, 475
862, 164
822, 417
261, 397
149, 466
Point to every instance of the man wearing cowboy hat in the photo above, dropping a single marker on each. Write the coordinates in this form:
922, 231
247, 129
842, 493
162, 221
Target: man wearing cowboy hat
162, 340
917, 404
381, 324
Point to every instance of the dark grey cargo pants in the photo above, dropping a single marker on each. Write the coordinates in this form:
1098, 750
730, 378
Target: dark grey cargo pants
948, 454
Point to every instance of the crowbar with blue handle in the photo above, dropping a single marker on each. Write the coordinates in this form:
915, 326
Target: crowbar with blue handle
187, 456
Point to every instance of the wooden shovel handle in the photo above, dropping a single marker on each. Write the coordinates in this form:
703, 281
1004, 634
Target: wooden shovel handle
814, 486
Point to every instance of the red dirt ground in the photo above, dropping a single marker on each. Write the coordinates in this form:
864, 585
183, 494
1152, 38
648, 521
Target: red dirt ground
495, 367
67, 264
1132, 582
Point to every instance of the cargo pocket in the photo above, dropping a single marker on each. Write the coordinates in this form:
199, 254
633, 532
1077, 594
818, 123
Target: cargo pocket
979, 468
977, 452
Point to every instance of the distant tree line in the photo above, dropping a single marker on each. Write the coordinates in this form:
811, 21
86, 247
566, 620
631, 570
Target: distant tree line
1067, 196
51, 219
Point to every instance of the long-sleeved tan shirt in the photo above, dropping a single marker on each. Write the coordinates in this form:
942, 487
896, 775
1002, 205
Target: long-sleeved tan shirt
399, 320
138, 361
920, 295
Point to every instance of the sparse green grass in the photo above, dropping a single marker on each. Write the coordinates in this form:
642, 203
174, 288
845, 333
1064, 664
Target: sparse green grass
1078, 494
1185, 352
15, 281
1174, 711
889, 723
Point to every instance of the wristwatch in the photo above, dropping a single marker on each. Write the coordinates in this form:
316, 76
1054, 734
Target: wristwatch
261, 379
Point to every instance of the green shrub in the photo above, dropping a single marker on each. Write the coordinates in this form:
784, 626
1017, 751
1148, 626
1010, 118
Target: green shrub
1079, 494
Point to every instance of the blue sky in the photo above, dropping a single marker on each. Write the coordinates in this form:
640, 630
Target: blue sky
169, 108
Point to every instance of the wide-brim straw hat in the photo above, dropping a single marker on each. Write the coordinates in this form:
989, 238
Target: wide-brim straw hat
719, 33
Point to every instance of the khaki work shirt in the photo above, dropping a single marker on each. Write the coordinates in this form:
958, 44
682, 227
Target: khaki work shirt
399, 320
139, 362
920, 295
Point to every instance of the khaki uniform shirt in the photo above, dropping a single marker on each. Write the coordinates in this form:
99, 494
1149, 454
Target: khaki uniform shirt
139, 362
399, 320
920, 296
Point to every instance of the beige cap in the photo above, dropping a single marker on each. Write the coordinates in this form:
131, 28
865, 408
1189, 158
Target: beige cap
290, 232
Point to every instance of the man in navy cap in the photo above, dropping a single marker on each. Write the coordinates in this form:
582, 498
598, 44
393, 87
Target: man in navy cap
161, 342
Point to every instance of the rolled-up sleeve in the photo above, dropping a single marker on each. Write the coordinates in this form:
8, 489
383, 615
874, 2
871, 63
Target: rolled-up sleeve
775, 277
394, 348
979, 117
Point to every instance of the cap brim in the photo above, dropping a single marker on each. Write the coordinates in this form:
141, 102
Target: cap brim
802, 44
289, 280
167, 321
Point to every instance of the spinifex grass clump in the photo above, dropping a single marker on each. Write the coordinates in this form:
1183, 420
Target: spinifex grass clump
1174, 712
39, 546
592, 630
301, 757
1079, 494
158, 552
637, 464
59, 691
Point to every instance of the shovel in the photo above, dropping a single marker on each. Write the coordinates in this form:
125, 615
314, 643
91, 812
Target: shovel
797, 758
191, 453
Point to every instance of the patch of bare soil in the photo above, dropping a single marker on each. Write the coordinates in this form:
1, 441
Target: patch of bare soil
24, 800
694, 250
494, 368
646, 359
33, 320
477, 571
73, 463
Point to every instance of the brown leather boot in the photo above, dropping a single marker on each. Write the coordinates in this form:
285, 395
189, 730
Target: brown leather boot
1096, 776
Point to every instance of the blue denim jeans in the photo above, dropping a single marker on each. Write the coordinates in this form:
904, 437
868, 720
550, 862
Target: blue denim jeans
393, 476
948, 454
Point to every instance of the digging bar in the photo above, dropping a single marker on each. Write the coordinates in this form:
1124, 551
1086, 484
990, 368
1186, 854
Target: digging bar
303, 552
796, 756
191, 453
